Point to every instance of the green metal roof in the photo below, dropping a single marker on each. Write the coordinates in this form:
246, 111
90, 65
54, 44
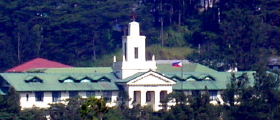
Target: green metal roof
199, 81
55, 82
131, 77
74, 70
193, 77
187, 67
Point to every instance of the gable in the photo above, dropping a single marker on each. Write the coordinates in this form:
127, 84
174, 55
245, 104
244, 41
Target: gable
151, 78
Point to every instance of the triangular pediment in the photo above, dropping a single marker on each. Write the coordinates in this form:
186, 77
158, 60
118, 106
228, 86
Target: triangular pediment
151, 78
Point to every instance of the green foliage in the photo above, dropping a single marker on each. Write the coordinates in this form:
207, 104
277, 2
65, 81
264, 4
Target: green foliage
191, 107
94, 108
168, 52
9, 105
70, 111
230, 34
114, 114
33, 114
158, 51
177, 36
138, 113
58, 111
241, 34
257, 102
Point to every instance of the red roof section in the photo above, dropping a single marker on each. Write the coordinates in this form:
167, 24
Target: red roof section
37, 63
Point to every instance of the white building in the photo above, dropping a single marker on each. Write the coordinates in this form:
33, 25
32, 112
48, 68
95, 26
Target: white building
145, 82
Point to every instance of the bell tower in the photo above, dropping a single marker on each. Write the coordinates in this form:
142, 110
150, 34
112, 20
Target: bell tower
134, 44
134, 54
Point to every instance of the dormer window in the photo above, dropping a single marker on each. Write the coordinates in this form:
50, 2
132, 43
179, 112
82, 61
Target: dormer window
191, 78
206, 77
33, 80
85, 81
104, 79
68, 80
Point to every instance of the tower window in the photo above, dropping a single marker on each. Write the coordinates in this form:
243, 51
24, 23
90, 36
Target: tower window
125, 51
136, 52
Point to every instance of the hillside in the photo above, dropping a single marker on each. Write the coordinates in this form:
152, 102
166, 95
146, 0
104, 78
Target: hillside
161, 53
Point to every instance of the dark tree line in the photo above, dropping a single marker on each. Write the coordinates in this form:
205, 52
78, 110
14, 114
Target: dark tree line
225, 33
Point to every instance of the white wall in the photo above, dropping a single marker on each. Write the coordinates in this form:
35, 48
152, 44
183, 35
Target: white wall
64, 95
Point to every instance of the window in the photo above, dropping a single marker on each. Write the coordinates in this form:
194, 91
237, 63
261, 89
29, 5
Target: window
27, 97
196, 93
213, 94
56, 96
107, 96
163, 95
137, 97
73, 94
90, 93
39, 96
149, 96
136, 52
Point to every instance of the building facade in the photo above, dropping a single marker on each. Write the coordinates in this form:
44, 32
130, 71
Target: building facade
146, 82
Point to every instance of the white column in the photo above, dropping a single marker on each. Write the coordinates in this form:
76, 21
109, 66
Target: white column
143, 97
130, 95
157, 100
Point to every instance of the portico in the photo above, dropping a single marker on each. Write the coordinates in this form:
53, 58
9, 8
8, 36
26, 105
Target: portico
144, 93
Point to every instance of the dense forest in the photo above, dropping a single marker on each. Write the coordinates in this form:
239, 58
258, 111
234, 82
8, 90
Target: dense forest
218, 33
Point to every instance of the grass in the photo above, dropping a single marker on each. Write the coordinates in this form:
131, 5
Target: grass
161, 53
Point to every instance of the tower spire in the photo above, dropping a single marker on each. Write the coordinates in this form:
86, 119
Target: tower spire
134, 56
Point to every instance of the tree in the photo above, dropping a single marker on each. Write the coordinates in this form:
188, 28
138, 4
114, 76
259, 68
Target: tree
9, 105
94, 108
70, 111
33, 114
114, 114
58, 112
258, 102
